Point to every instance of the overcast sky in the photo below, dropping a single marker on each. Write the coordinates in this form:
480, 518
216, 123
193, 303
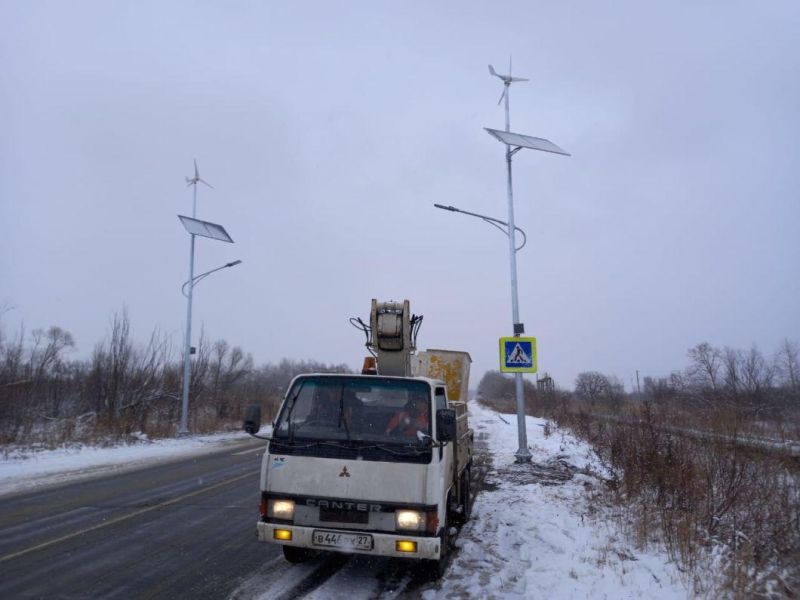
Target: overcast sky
329, 130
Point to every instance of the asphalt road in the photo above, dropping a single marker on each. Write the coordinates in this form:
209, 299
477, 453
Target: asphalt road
175, 530
184, 529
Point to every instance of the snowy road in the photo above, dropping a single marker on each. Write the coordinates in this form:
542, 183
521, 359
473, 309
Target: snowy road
175, 530
185, 529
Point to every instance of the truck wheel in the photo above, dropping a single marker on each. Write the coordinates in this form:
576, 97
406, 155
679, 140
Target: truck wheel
297, 555
468, 492
436, 568
466, 496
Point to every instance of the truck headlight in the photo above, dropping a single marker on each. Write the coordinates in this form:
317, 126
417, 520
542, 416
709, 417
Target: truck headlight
281, 509
409, 520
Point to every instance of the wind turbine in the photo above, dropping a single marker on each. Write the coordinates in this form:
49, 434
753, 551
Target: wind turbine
196, 178
506, 79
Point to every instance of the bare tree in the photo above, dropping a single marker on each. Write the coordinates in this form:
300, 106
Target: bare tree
704, 371
756, 380
592, 386
788, 365
228, 367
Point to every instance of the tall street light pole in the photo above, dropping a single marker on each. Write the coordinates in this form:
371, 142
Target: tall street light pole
514, 142
195, 227
523, 454
187, 340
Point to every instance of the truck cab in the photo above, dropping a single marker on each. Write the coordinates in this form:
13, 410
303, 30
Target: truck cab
362, 464
373, 464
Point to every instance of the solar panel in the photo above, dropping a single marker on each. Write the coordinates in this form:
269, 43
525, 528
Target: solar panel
205, 229
526, 141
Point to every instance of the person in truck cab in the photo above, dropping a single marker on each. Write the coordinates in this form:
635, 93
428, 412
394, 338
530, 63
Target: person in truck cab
415, 415
325, 408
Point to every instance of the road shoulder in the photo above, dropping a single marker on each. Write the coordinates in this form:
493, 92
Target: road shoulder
28, 471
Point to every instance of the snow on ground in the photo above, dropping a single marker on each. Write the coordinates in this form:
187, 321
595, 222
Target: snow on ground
22, 470
538, 533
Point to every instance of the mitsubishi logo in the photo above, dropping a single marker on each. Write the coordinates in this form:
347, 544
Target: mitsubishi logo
344, 472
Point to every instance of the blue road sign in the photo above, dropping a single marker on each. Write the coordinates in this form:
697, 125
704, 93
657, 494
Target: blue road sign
518, 355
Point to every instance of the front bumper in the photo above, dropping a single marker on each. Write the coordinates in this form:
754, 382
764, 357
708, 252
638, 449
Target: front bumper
384, 544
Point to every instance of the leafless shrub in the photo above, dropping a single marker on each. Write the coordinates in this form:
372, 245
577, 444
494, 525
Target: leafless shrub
126, 388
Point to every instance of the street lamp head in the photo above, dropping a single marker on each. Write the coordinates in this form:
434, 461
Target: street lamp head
234, 263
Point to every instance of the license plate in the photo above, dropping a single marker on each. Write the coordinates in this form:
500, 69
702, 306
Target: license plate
337, 539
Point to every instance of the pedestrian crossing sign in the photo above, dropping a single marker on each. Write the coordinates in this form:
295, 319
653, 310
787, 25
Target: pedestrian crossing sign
518, 354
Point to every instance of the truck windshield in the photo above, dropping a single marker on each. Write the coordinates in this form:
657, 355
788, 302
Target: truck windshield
370, 409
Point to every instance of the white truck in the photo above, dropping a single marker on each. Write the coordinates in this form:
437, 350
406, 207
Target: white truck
377, 463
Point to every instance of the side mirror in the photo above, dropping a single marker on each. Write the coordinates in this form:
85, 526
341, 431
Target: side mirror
446, 425
252, 419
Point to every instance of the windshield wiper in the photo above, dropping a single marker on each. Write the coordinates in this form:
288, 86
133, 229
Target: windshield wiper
342, 418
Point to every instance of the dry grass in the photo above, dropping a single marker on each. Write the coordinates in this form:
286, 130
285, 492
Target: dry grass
710, 497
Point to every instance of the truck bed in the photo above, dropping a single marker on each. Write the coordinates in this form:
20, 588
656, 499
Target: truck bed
464, 435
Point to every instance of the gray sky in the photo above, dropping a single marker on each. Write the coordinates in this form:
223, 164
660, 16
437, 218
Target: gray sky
329, 131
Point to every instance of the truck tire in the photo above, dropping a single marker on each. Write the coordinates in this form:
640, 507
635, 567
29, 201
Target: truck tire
294, 554
435, 568
465, 494
468, 492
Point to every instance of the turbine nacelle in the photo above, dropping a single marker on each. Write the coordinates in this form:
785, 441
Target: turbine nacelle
506, 79
196, 178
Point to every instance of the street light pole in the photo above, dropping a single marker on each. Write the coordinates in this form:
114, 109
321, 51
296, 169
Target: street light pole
187, 346
514, 142
522, 454
195, 227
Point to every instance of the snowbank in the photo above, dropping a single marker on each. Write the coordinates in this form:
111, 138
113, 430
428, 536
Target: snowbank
540, 533
24, 470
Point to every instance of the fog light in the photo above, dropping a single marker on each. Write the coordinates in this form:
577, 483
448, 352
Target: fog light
409, 519
405, 546
284, 535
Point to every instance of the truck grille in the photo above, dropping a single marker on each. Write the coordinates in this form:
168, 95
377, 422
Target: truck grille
335, 515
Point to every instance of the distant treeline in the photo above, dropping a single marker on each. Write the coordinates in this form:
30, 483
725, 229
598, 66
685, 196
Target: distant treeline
126, 388
747, 384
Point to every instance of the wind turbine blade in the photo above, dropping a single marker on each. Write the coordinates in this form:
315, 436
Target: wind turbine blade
519, 79
509, 65
492, 71
503, 95
196, 174
205, 182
